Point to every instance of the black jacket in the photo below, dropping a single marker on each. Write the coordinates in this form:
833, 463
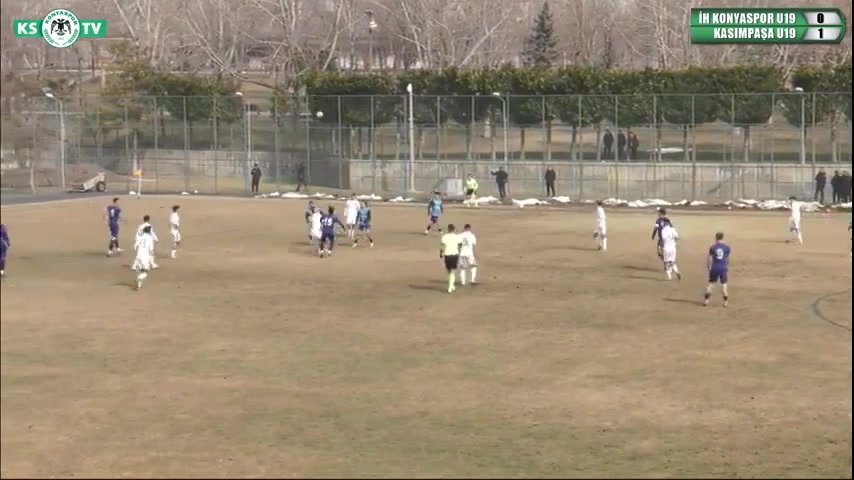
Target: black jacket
551, 176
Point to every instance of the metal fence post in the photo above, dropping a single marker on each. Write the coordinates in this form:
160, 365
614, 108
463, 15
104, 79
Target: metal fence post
215, 126
186, 128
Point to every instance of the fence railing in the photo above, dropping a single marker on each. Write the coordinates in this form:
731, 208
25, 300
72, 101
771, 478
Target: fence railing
214, 140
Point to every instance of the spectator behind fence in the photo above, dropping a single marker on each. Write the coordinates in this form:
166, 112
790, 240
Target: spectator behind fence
820, 184
845, 187
256, 177
501, 178
621, 145
550, 178
634, 144
834, 187
608, 144
301, 181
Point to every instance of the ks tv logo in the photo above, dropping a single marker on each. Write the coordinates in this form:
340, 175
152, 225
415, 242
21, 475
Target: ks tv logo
60, 28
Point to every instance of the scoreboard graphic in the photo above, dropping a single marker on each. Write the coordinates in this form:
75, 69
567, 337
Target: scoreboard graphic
720, 26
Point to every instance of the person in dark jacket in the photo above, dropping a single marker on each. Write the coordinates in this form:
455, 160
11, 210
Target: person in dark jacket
501, 178
256, 177
550, 178
845, 187
608, 144
820, 184
634, 144
301, 177
834, 187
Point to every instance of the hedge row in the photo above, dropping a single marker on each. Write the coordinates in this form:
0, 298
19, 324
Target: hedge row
582, 97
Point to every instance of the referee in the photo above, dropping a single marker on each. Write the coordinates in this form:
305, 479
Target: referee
450, 253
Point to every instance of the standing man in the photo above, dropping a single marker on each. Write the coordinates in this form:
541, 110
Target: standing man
471, 191
608, 144
845, 187
449, 252
301, 177
634, 144
550, 178
501, 178
256, 177
834, 187
820, 184
621, 145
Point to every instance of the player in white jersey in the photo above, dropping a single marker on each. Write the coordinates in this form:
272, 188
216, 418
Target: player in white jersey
175, 230
468, 264
315, 230
795, 220
351, 210
600, 231
144, 246
146, 222
669, 237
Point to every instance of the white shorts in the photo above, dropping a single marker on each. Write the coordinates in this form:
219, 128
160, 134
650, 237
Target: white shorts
143, 263
351, 219
176, 235
668, 254
794, 224
315, 234
467, 261
601, 229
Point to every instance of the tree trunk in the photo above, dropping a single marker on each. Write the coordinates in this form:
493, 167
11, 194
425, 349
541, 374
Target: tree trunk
573, 143
548, 157
469, 139
521, 144
685, 153
746, 130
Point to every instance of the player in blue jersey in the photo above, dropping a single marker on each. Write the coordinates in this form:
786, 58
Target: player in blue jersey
718, 264
113, 217
4, 249
434, 211
327, 235
660, 222
363, 224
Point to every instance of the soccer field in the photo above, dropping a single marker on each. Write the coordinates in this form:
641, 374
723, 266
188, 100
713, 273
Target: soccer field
248, 356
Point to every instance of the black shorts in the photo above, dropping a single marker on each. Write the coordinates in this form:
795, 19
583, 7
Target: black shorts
452, 262
470, 191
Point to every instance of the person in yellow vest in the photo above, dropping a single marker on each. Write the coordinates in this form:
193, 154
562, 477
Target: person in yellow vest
471, 191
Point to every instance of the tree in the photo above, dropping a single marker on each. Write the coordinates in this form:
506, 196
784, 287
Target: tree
684, 106
748, 97
541, 45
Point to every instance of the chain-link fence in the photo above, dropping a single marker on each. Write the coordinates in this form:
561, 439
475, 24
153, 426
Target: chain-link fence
209, 144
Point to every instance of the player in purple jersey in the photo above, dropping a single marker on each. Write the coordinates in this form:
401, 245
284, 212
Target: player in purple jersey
113, 217
4, 249
718, 264
327, 236
656, 229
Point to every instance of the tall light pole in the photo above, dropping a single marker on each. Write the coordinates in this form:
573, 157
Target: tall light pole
803, 153
371, 26
61, 137
248, 115
504, 115
411, 162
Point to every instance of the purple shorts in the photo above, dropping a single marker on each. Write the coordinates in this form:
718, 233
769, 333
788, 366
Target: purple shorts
716, 276
114, 230
434, 219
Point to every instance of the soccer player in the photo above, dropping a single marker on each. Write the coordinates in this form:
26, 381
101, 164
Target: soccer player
308, 212
656, 229
351, 210
795, 220
327, 236
144, 247
669, 237
315, 231
718, 264
146, 222
450, 253
471, 191
363, 220
5, 244
112, 217
468, 242
600, 232
434, 210
175, 230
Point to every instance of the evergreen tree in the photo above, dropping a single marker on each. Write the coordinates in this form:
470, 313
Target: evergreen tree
541, 45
